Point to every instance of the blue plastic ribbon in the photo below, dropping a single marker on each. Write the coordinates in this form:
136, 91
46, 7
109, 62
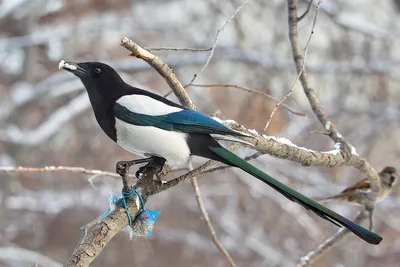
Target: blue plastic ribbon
143, 224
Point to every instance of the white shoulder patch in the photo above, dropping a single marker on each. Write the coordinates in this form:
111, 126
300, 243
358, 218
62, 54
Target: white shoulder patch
146, 105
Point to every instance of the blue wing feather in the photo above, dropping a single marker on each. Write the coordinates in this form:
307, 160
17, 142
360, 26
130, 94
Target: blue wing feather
187, 121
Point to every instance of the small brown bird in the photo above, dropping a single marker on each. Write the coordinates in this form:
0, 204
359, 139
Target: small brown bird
356, 192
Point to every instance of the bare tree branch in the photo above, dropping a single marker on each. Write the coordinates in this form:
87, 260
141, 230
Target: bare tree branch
302, 68
161, 68
177, 49
329, 243
98, 237
216, 39
305, 12
250, 90
314, 103
57, 169
208, 221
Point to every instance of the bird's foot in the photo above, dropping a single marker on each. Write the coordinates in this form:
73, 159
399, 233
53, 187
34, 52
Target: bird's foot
122, 167
164, 171
155, 166
149, 167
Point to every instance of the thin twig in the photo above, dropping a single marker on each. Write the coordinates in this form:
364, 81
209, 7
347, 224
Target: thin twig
250, 90
280, 103
58, 169
177, 49
305, 12
184, 177
329, 243
207, 219
319, 132
300, 72
224, 167
216, 39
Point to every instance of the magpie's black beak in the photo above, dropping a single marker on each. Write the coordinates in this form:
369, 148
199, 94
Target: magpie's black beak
73, 67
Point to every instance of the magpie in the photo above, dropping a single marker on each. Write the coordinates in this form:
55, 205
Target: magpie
161, 131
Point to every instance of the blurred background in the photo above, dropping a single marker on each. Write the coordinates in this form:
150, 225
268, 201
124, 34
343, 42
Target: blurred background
45, 119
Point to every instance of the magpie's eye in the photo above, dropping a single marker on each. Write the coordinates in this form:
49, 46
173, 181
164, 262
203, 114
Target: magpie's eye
97, 70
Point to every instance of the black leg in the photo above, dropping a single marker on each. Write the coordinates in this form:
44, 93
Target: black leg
122, 167
156, 164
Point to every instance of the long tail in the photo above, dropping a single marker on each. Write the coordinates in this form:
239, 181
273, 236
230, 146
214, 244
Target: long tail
295, 196
326, 199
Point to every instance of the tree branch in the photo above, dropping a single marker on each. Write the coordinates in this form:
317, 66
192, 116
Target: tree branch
96, 238
300, 72
161, 68
329, 243
250, 90
58, 169
176, 49
345, 148
305, 12
209, 223
216, 39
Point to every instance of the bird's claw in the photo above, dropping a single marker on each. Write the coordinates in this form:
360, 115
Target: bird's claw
164, 171
140, 171
149, 167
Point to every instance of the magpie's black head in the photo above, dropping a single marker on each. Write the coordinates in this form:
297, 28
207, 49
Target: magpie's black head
101, 81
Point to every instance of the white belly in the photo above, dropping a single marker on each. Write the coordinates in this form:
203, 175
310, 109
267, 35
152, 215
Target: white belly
147, 141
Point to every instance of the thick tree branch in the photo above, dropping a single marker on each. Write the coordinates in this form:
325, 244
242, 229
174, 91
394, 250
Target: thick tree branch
299, 62
300, 72
96, 238
161, 68
298, 58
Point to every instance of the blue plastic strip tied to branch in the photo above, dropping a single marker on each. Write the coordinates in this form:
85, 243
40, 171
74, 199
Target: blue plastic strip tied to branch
143, 224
